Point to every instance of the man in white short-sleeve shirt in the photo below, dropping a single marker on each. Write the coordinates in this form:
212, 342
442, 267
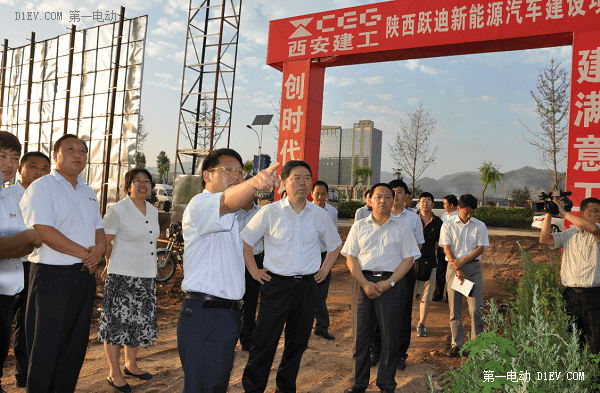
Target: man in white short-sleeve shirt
213, 267
292, 229
464, 238
450, 207
65, 211
380, 250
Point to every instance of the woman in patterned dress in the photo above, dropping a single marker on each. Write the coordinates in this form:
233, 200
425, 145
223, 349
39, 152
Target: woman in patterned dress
128, 315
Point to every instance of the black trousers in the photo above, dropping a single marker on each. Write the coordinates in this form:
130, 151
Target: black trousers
282, 303
6, 320
206, 339
250, 305
59, 313
584, 305
321, 311
405, 323
386, 311
440, 274
19, 337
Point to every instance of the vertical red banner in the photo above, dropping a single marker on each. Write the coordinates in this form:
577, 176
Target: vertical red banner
300, 118
583, 159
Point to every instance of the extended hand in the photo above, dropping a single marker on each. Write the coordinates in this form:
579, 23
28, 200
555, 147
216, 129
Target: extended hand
461, 275
266, 179
261, 275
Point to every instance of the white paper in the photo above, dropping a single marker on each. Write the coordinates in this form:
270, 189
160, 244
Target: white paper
465, 288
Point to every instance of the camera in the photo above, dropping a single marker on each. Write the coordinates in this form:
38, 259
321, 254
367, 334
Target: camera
550, 206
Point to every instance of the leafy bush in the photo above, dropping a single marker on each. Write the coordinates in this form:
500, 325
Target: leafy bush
348, 209
517, 354
504, 218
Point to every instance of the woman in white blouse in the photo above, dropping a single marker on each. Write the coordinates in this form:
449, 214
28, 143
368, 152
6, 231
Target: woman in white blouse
128, 315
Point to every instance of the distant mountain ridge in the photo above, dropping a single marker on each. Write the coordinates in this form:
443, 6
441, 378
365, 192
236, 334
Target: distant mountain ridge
536, 180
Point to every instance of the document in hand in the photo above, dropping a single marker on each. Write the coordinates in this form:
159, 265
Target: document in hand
466, 288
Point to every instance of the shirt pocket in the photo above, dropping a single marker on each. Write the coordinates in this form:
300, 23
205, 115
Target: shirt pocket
471, 241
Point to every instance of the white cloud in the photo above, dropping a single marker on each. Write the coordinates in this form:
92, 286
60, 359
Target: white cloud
428, 70
252, 61
414, 64
172, 6
486, 99
7, 2
411, 64
355, 106
465, 99
562, 54
160, 49
164, 85
334, 80
373, 80
526, 109
168, 28
385, 97
413, 101
166, 76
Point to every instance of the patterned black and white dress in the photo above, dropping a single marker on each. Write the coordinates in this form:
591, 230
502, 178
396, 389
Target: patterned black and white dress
128, 314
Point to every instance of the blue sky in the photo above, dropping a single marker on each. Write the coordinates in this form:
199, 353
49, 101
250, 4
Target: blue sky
479, 100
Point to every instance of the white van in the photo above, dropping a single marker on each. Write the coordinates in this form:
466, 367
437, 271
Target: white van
164, 193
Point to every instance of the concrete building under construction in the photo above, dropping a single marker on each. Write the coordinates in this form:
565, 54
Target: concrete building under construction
343, 149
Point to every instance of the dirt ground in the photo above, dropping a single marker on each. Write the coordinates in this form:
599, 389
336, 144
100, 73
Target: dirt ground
326, 365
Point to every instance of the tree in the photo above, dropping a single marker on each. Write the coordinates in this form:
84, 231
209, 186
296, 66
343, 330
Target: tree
361, 173
490, 174
248, 167
140, 160
552, 109
411, 152
142, 135
205, 118
520, 196
163, 163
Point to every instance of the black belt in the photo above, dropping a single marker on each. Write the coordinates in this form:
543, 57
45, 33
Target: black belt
377, 273
209, 301
298, 278
77, 266
583, 290
10, 299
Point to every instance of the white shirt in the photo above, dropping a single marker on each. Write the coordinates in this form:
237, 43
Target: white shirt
244, 218
17, 191
292, 244
11, 223
51, 200
413, 221
213, 260
447, 216
381, 247
464, 238
361, 213
333, 214
134, 246
580, 266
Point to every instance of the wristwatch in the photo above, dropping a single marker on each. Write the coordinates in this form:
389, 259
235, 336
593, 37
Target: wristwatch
392, 282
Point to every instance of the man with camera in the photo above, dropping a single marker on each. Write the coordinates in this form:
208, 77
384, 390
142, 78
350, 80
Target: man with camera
580, 269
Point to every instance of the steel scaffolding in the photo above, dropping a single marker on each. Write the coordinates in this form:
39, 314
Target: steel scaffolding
208, 79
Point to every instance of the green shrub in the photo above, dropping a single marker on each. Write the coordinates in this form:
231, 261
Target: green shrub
536, 337
348, 209
504, 218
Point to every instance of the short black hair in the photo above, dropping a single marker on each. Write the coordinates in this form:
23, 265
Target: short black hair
65, 137
282, 194
587, 201
452, 199
426, 195
320, 183
368, 193
287, 168
467, 200
382, 185
30, 154
212, 160
398, 183
9, 141
130, 175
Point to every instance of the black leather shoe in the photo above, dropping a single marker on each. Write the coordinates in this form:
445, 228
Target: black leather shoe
401, 364
125, 388
325, 334
144, 376
353, 390
436, 298
21, 384
374, 359
454, 352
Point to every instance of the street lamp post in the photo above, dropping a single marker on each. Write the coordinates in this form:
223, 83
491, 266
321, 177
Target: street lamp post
260, 120
259, 142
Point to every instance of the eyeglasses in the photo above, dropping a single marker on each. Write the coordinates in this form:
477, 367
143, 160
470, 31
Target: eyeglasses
229, 171
595, 211
138, 182
425, 201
